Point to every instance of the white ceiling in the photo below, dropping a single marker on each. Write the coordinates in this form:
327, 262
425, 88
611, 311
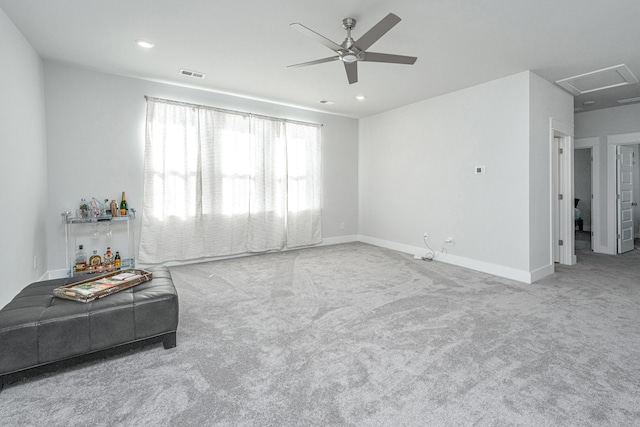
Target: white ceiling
244, 46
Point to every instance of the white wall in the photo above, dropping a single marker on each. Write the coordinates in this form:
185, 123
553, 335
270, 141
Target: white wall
417, 173
23, 165
546, 100
95, 134
597, 125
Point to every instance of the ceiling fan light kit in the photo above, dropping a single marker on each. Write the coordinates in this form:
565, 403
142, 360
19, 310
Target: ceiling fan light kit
351, 51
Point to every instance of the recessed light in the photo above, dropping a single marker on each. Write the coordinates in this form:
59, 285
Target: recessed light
360, 97
145, 44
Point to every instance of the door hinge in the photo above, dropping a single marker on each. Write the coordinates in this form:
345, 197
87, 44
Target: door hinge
561, 242
618, 236
560, 151
560, 197
618, 157
617, 196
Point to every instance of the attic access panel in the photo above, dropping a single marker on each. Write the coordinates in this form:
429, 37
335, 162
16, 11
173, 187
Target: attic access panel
618, 75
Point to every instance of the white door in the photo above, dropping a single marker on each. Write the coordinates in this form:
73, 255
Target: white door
625, 160
555, 180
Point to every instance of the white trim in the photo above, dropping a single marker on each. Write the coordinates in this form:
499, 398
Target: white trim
586, 142
596, 172
561, 127
596, 210
564, 131
621, 69
408, 249
338, 240
481, 266
541, 272
631, 138
56, 274
612, 221
472, 264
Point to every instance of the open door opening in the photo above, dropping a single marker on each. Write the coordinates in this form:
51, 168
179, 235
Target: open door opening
583, 198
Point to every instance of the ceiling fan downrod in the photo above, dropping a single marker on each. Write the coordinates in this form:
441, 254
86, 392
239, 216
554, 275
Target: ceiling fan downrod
348, 24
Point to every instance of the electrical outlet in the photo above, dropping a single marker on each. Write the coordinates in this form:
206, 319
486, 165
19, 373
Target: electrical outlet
425, 235
342, 226
35, 262
449, 240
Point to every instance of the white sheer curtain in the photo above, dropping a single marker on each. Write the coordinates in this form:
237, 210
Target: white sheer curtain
219, 183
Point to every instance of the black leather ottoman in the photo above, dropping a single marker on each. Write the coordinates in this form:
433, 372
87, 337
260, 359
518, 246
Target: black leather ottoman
38, 329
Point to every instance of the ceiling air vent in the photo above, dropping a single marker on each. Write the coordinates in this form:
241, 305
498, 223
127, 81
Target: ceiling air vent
618, 75
194, 74
629, 100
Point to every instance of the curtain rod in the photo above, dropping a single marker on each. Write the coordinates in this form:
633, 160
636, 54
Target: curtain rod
222, 110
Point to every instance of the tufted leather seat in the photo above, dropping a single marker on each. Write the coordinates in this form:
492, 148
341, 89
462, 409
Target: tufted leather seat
37, 328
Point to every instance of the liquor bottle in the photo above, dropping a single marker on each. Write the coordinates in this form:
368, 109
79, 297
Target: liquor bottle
117, 261
123, 205
114, 208
95, 261
81, 259
83, 212
108, 257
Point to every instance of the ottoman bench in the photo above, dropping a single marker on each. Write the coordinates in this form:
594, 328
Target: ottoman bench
38, 329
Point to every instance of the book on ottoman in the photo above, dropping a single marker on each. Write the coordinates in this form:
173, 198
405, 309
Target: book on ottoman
103, 285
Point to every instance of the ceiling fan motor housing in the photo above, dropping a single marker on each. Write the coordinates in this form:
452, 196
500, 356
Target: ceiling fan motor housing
351, 51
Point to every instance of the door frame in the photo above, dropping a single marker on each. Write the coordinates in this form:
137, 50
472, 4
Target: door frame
564, 207
596, 229
612, 185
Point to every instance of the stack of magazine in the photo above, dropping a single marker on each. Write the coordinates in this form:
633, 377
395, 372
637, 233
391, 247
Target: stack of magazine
101, 286
91, 288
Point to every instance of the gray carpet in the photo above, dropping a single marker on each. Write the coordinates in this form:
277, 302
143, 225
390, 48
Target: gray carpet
358, 335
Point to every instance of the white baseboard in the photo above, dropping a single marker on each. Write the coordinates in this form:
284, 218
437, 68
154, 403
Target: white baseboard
325, 242
484, 267
338, 240
408, 249
541, 272
55, 274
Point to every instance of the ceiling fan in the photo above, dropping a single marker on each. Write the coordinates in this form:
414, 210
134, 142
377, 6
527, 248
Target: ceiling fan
351, 51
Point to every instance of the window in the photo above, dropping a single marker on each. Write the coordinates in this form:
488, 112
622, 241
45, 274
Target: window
220, 182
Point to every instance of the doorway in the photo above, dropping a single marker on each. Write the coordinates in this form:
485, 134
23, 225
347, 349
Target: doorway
583, 197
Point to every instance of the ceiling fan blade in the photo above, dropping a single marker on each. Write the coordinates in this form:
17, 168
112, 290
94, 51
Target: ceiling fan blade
377, 31
352, 71
387, 57
317, 61
317, 37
